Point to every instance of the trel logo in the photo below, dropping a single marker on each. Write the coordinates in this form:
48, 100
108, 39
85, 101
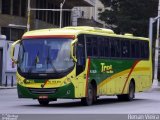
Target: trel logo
106, 68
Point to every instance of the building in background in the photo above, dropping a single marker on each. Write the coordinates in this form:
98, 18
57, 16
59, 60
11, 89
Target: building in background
7, 68
90, 15
15, 12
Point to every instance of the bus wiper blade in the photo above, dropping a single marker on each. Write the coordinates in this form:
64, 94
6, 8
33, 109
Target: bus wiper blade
49, 61
35, 61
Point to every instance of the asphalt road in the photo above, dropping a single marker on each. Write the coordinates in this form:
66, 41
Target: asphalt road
146, 102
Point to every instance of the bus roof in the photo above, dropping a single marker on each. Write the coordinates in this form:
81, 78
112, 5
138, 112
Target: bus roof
73, 32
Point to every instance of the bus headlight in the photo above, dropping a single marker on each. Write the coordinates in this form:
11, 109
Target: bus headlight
28, 81
20, 81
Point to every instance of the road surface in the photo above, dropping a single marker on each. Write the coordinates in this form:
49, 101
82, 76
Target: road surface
146, 102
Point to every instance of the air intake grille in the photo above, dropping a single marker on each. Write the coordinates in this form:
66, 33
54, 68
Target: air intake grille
42, 90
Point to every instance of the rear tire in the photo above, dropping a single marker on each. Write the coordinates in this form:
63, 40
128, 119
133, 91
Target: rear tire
121, 97
89, 99
43, 102
131, 93
94, 94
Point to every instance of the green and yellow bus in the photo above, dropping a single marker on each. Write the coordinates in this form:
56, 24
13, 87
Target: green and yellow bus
81, 63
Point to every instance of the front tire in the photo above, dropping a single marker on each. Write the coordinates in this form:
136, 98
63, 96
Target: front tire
89, 99
43, 102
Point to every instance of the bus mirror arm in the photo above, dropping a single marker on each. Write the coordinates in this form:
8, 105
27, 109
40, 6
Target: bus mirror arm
72, 50
12, 51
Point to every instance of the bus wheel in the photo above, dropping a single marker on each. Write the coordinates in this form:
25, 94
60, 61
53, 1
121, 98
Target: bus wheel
130, 95
95, 97
43, 102
121, 97
89, 99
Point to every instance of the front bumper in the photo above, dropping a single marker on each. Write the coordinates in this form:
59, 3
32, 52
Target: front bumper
66, 91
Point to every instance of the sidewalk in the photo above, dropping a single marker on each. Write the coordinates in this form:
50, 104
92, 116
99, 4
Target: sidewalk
155, 88
8, 87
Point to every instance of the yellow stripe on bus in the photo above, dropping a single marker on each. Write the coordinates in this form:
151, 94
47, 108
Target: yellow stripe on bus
113, 77
121, 74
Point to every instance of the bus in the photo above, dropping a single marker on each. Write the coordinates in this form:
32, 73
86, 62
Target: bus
81, 63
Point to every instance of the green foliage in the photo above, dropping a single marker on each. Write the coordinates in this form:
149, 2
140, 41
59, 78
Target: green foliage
129, 16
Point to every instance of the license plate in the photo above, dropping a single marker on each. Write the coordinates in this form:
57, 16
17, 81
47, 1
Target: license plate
43, 97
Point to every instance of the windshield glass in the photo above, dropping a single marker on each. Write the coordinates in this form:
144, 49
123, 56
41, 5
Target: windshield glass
45, 56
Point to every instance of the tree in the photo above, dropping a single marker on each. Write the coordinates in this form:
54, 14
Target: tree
129, 16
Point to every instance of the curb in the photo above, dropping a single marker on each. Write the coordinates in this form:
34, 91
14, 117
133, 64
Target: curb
3, 87
156, 87
153, 89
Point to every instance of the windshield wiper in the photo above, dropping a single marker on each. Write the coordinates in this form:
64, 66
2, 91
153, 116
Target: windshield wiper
49, 61
35, 61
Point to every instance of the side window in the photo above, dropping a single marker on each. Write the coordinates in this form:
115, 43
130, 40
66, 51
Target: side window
94, 46
101, 46
144, 49
112, 48
133, 49
80, 50
137, 44
89, 45
118, 48
125, 48
115, 47
80, 54
106, 47
146, 52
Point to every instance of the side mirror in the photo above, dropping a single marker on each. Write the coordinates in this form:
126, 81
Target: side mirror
12, 51
72, 50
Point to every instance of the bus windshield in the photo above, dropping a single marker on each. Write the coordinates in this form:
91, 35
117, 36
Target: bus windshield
45, 55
